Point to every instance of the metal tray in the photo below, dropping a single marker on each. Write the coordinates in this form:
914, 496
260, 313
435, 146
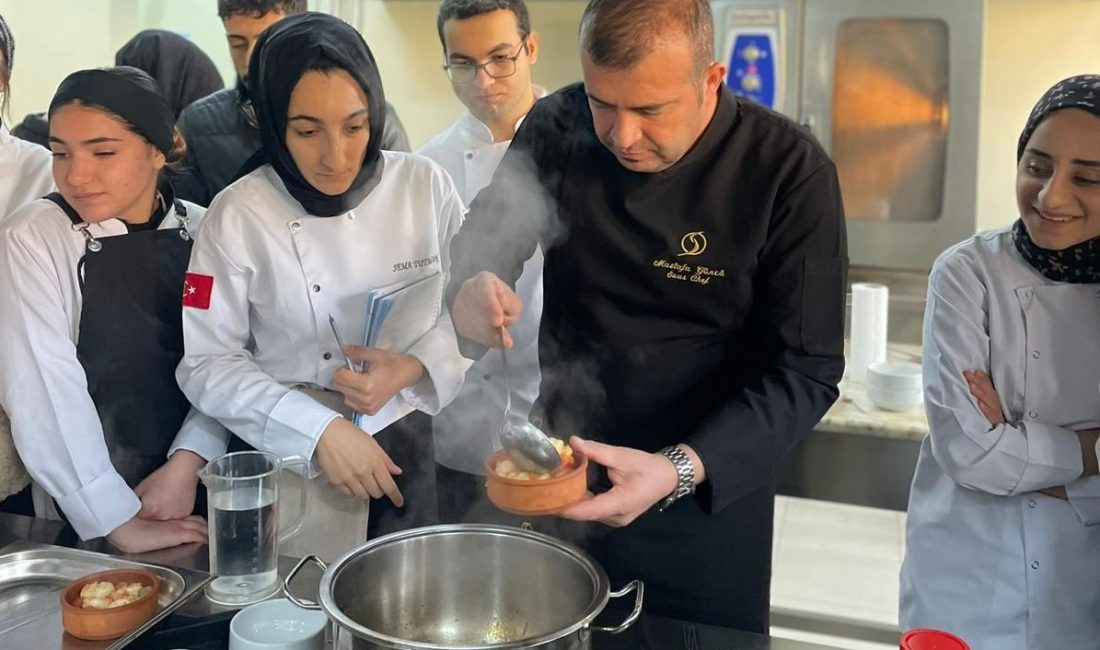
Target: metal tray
32, 576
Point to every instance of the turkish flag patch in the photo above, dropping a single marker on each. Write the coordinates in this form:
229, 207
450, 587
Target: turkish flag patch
197, 289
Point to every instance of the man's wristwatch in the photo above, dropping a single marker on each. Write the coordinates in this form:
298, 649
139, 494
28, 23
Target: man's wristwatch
685, 473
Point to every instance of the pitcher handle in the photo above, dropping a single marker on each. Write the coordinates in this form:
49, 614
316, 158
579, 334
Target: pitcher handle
304, 604
294, 526
634, 585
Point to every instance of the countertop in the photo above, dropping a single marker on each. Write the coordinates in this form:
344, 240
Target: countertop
855, 414
201, 625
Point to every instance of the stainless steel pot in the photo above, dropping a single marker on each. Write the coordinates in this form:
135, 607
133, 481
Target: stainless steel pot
467, 587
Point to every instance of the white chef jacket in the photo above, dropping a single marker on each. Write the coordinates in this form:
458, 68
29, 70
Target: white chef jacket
465, 433
42, 384
26, 172
278, 273
988, 557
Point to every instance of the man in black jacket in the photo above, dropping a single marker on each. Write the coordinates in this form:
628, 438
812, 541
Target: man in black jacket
221, 130
693, 314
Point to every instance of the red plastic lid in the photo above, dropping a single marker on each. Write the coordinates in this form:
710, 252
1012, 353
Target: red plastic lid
932, 640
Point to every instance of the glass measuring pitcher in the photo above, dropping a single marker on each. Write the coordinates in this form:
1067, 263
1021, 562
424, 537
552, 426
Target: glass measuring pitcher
243, 518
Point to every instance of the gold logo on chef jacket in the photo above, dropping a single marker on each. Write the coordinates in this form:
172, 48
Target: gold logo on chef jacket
693, 243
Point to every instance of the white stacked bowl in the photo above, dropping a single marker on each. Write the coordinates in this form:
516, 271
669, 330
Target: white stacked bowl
895, 386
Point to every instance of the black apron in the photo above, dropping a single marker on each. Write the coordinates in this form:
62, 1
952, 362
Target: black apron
131, 338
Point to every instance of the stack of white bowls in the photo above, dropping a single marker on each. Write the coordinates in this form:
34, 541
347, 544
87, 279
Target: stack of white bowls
894, 386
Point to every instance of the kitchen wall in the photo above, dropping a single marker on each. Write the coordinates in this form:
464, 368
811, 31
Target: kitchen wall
1029, 45
56, 37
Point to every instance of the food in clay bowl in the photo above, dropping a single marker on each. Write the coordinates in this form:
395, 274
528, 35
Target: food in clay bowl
109, 604
528, 490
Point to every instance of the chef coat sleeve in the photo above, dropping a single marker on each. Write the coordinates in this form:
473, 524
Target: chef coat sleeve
1084, 498
1008, 459
43, 388
202, 435
799, 312
218, 373
438, 349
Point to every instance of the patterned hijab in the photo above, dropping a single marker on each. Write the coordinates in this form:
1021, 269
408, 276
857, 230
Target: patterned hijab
1079, 263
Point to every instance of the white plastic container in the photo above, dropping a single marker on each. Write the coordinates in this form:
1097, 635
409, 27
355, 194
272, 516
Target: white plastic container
895, 386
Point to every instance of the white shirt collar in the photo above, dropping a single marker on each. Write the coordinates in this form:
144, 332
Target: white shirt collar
481, 133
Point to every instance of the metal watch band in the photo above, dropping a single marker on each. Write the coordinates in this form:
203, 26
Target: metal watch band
685, 473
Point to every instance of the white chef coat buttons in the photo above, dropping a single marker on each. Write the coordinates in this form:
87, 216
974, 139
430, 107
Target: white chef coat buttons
316, 288
295, 225
469, 155
1035, 354
1033, 414
1035, 564
1029, 293
326, 356
1031, 503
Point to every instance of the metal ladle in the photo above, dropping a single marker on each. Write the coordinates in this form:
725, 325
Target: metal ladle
525, 443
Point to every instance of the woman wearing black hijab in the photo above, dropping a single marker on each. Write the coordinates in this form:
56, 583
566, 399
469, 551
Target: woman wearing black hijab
91, 334
321, 217
1002, 536
183, 71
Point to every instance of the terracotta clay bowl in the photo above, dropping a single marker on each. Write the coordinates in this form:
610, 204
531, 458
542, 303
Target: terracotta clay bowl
535, 496
94, 624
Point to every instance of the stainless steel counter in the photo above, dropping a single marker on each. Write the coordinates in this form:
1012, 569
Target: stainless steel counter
650, 633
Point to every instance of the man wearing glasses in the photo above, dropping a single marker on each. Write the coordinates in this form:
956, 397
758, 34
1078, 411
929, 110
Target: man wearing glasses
488, 51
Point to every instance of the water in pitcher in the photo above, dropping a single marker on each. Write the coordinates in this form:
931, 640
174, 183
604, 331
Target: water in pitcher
243, 541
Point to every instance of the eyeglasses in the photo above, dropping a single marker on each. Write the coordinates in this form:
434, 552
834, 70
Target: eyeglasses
497, 67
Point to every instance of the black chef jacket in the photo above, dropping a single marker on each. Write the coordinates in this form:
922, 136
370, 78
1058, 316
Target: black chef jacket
702, 304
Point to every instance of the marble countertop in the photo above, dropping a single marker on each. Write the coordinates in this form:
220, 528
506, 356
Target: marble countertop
855, 414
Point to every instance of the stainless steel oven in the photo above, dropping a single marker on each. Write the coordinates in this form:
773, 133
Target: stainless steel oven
891, 88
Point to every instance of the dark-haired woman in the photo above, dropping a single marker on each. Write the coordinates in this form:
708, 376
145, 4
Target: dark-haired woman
90, 279
324, 217
1003, 535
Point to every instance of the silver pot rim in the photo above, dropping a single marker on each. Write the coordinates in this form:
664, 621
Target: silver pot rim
600, 596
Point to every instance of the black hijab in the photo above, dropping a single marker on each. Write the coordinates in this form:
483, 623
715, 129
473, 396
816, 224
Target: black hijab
283, 53
183, 72
1079, 263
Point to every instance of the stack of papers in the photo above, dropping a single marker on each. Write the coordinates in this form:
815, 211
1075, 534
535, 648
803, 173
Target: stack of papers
400, 314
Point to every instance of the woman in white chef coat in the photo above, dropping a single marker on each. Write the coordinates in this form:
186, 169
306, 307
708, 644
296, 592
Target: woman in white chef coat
323, 217
24, 175
1002, 546
90, 333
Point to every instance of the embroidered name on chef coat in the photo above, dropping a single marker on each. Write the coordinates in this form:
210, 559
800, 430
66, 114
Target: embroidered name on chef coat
692, 244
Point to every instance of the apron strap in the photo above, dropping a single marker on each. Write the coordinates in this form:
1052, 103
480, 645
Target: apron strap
59, 201
91, 243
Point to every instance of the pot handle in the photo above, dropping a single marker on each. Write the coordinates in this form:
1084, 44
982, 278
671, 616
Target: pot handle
304, 604
635, 585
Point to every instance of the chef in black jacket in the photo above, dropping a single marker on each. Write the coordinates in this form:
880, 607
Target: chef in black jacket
694, 299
